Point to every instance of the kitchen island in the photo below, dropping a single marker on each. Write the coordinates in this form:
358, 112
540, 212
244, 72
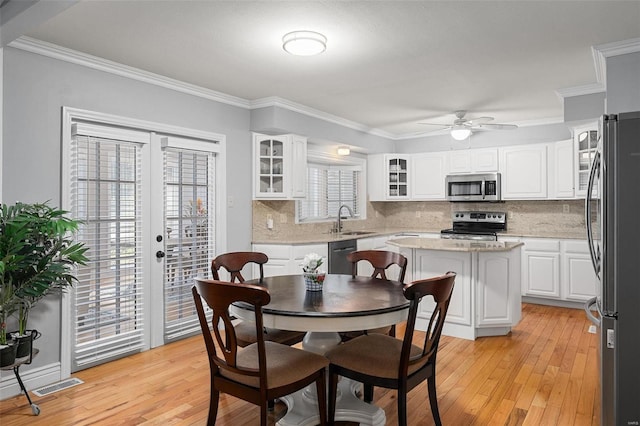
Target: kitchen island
486, 299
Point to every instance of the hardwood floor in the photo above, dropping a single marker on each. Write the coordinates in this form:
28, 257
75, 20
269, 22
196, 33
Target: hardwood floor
543, 373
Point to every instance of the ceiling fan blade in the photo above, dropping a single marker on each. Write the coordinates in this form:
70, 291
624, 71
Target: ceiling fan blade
436, 124
479, 120
496, 126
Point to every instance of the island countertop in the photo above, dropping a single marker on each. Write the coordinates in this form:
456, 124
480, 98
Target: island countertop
452, 245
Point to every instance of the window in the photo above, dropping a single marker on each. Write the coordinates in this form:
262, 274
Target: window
329, 187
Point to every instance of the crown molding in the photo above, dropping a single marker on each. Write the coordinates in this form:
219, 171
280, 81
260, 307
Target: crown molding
587, 89
64, 54
601, 52
275, 101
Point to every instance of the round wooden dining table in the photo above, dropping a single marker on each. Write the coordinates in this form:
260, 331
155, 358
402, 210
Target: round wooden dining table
345, 303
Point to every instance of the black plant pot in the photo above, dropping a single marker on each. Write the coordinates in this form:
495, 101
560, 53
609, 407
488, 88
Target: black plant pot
8, 354
25, 342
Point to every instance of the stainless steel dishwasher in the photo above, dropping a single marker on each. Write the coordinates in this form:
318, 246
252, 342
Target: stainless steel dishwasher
338, 250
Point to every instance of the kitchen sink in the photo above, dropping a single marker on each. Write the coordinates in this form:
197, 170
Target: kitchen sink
356, 232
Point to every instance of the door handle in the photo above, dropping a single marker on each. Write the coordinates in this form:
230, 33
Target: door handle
160, 254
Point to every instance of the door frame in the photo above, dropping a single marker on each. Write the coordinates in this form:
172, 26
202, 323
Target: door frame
156, 269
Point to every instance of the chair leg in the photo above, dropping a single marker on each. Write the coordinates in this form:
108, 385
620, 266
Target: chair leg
402, 406
213, 407
368, 393
333, 392
264, 409
321, 388
433, 400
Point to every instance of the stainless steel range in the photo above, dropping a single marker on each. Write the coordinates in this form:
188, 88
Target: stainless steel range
482, 226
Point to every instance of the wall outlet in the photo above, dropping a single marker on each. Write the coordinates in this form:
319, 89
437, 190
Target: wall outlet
510, 215
231, 202
269, 223
418, 213
565, 208
283, 218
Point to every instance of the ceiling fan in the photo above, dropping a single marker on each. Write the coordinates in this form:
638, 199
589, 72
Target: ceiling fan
462, 127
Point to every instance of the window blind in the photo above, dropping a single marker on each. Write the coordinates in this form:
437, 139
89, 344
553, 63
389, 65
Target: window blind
108, 297
188, 198
329, 187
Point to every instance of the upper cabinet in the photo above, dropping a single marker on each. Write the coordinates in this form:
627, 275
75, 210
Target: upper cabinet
388, 177
524, 172
561, 170
280, 166
473, 160
585, 140
428, 172
407, 177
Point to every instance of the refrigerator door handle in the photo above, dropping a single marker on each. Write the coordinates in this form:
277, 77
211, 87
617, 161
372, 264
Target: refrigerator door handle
587, 213
587, 308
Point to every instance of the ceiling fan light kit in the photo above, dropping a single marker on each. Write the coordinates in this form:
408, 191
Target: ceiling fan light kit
460, 132
462, 127
304, 43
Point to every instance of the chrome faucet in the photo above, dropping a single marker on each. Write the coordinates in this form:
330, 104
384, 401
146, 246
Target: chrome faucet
339, 223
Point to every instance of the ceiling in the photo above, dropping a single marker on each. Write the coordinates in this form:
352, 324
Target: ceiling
388, 65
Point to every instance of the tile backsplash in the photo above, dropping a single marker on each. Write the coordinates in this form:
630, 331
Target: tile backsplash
552, 218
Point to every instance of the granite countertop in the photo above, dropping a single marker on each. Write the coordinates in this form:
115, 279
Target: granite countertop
452, 245
319, 238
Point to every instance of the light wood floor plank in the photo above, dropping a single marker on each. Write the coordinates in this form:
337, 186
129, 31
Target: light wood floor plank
544, 373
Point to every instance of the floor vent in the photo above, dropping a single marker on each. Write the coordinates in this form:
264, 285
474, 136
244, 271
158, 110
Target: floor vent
57, 387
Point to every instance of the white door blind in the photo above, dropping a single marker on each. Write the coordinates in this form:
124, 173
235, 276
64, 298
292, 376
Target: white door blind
188, 196
108, 298
329, 187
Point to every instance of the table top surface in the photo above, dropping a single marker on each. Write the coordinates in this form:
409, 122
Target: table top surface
341, 296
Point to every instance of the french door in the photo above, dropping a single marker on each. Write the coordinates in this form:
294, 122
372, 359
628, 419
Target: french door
151, 221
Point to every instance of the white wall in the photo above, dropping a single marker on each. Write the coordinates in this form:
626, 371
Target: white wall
623, 83
35, 90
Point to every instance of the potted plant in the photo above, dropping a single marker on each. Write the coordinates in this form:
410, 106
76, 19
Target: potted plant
38, 256
8, 305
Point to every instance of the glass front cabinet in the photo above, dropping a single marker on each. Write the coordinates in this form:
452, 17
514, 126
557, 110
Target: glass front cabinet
397, 177
586, 144
280, 170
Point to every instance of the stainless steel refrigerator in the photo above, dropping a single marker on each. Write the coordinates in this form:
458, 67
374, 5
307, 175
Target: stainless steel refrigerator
613, 230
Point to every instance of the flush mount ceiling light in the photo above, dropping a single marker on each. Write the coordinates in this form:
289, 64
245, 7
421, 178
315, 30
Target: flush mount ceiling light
460, 133
344, 150
304, 43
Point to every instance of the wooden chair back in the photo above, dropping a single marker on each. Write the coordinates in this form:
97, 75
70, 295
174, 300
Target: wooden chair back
440, 288
219, 295
235, 261
380, 260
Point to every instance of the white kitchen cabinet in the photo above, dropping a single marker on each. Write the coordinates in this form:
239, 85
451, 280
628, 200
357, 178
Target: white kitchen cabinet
431, 263
524, 172
561, 170
497, 301
579, 279
428, 173
486, 296
585, 140
541, 268
280, 166
286, 259
388, 177
473, 160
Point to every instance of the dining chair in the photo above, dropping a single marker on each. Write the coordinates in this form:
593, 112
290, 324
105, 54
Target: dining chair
381, 260
384, 361
258, 373
234, 262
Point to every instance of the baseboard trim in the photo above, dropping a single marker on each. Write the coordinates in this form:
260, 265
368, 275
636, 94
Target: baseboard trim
551, 302
32, 379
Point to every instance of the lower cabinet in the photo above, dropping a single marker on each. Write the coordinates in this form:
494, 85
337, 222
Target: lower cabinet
486, 297
286, 259
557, 269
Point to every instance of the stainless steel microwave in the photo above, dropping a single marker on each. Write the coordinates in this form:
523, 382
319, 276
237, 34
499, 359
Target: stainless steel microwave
474, 187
